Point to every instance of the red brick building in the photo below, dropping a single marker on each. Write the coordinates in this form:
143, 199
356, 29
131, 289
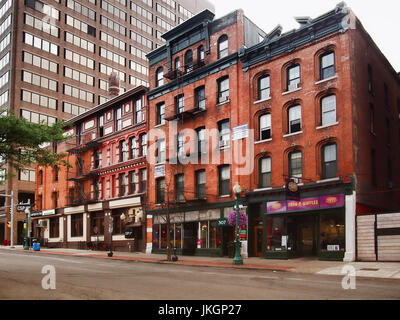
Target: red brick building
106, 185
318, 106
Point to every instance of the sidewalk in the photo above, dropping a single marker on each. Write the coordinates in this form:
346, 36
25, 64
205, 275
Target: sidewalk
300, 265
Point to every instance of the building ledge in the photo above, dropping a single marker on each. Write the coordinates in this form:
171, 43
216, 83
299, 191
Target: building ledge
293, 134
262, 141
328, 125
327, 79
262, 100
291, 91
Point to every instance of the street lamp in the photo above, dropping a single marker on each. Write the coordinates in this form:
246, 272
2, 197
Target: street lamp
238, 258
26, 245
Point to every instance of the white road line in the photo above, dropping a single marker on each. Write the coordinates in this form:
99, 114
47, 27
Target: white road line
43, 257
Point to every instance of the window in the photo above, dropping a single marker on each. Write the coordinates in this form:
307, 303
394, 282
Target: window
328, 110
160, 187
327, 65
180, 145
96, 223
189, 61
177, 63
332, 231
123, 183
200, 98
201, 184
123, 151
329, 161
160, 150
77, 225
143, 145
118, 119
134, 152
264, 88
179, 103
117, 222
180, 187
265, 127
264, 172
159, 77
56, 170
370, 82
54, 227
295, 164
223, 90
143, 179
161, 113
201, 139
133, 182
138, 111
372, 117
200, 53
222, 46
40, 177
55, 199
224, 179
224, 133
293, 78
294, 119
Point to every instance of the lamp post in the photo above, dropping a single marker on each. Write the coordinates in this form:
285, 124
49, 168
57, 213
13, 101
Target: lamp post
238, 258
26, 244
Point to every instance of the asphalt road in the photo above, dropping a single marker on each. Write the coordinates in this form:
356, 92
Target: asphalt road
83, 278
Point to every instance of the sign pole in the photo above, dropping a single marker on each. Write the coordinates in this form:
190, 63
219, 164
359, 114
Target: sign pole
12, 219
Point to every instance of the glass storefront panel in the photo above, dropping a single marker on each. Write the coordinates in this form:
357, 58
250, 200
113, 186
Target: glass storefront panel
178, 236
215, 235
156, 236
275, 230
203, 234
332, 232
163, 236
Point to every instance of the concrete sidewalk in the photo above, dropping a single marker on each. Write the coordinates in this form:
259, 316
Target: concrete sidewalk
300, 265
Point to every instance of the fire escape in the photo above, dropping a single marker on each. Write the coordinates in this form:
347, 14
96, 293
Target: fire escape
81, 174
180, 112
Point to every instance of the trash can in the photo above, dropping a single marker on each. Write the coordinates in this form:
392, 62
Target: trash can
36, 245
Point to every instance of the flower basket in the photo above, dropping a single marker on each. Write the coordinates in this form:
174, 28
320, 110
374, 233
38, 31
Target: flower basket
242, 218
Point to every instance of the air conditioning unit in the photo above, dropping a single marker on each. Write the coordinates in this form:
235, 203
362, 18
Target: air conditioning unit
294, 86
222, 99
223, 143
43, 223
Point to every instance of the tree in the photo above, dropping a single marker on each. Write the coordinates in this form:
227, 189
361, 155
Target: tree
21, 142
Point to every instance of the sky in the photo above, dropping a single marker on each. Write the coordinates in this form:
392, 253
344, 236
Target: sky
379, 18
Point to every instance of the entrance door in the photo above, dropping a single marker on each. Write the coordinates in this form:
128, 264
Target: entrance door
189, 238
306, 242
258, 239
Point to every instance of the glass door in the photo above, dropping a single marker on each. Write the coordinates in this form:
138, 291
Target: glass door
258, 240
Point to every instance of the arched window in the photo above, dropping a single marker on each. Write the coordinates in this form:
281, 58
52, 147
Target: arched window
264, 88
294, 119
329, 161
293, 77
200, 53
189, 61
265, 126
328, 110
327, 65
295, 164
222, 46
159, 77
264, 169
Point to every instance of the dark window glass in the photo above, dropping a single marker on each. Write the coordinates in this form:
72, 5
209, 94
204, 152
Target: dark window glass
327, 65
189, 61
200, 96
200, 184
161, 113
180, 187
77, 225
96, 224
224, 180
265, 172
329, 161
54, 227
180, 103
160, 184
265, 127
159, 77
296, 164
294, 118
201, 139
143, 179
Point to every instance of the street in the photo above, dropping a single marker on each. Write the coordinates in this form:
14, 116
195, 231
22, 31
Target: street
85, 278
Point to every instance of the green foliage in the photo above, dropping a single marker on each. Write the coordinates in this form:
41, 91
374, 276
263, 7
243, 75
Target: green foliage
21, 142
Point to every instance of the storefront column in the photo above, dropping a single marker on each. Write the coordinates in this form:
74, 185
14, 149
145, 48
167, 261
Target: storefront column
149, 233
350, 226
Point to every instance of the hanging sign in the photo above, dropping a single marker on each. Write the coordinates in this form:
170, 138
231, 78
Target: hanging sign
222, 222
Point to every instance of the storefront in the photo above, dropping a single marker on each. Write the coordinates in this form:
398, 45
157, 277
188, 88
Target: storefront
202, 233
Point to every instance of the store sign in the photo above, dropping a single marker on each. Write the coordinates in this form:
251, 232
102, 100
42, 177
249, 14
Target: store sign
329, 201
222, 222
159, 171
48, 212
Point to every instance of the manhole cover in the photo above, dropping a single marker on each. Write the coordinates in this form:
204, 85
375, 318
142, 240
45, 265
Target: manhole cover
369, 269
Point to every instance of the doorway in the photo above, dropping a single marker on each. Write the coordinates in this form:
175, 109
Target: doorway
189, 238
258, 241
306, 236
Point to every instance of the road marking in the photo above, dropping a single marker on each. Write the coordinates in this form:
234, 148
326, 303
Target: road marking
43, 257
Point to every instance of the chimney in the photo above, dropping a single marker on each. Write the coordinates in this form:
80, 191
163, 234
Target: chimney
113, 84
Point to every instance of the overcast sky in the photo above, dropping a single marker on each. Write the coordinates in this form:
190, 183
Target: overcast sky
380, 18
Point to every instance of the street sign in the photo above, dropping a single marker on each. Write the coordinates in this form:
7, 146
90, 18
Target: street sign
21, 208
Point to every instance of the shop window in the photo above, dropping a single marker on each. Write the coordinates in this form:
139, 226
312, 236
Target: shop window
96, 224
210, 235
117, 222
327, 65
77, 225
332, 232
275, 230
156, 236
54, 226
329, 161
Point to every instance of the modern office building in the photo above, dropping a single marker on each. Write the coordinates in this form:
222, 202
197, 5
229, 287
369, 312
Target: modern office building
56, 56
